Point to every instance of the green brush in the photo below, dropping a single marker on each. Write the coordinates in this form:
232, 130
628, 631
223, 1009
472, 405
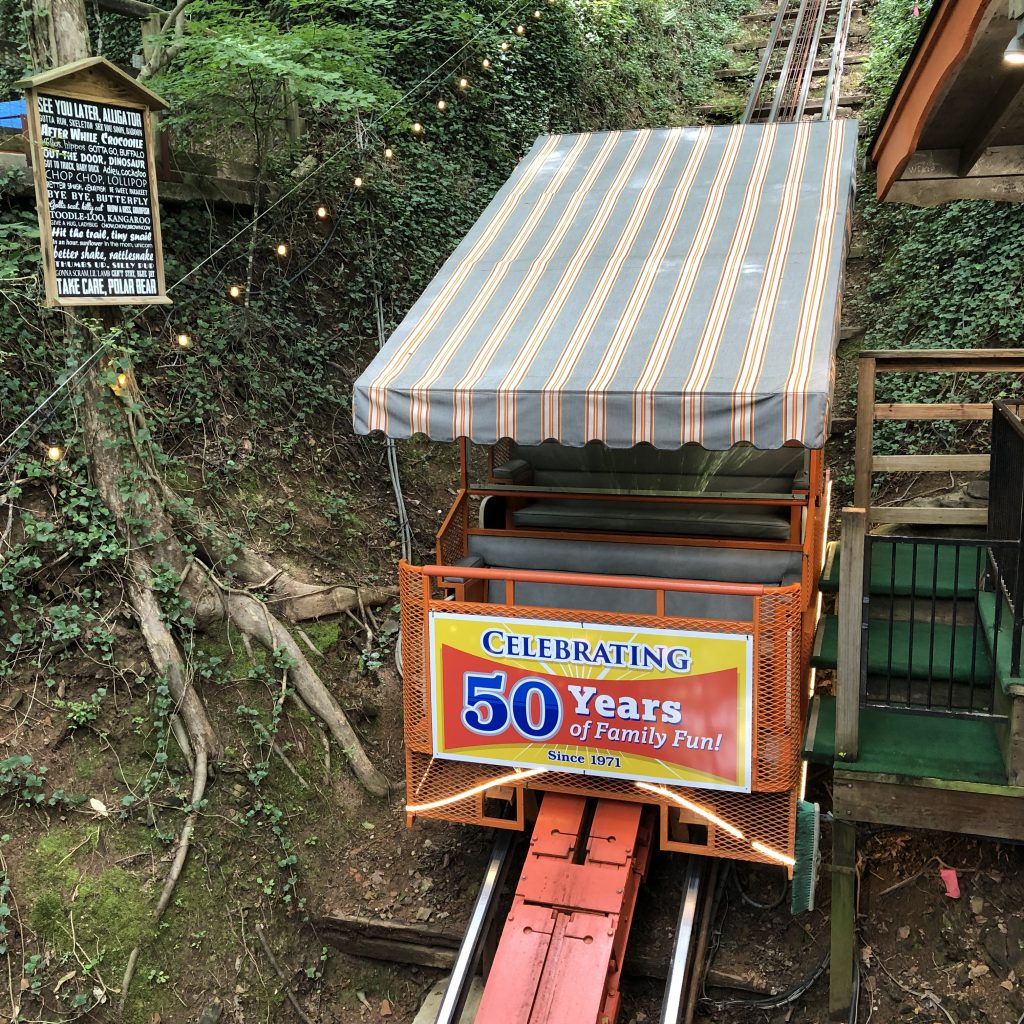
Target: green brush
807, 855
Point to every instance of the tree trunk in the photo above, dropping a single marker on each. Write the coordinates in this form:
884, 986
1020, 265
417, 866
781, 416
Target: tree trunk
57, 32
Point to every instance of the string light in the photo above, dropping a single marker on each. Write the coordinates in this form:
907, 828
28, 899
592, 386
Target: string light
520, 30
389, 153
281, 249
702, 812
442, 105
357, 182
322, 213
537, 15
504, 47
774, 854
485, 63
416, 128
183, 340
482, 788
55, 453
235, 291
463, 84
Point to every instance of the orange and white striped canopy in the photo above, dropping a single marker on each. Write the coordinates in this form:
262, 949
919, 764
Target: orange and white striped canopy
666, 286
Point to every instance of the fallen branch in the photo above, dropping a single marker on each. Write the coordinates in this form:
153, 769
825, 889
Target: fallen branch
281, 975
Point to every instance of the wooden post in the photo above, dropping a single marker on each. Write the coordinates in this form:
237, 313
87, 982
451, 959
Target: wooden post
851, 633
844, 923
865, 431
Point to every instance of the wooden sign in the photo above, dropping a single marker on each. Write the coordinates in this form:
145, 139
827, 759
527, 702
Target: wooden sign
91, 141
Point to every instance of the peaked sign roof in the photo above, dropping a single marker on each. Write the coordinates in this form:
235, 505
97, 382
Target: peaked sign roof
663, 286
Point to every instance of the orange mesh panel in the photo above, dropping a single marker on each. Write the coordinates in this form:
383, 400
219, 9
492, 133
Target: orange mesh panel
451, 540
764, 815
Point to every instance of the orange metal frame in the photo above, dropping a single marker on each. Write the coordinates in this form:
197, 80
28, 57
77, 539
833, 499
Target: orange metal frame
782, 624
560, 955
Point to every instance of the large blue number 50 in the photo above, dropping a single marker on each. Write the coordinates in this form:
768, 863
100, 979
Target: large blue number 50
485, 710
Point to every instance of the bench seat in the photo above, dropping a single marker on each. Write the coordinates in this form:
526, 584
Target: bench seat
751, 522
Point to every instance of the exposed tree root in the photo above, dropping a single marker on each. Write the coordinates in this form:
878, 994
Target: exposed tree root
291, 598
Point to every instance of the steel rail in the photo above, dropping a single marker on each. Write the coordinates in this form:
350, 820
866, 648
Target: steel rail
830, 98
684, 946
811, 58
762, 71
787, 62
480, 921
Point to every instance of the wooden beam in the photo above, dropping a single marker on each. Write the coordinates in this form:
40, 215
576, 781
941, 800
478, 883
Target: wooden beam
931, 411
947, 360
131, 8
929, 463
931, 515
852, 635
963, 807
391, 940
931, 68
998, 109
844, 922
864, 440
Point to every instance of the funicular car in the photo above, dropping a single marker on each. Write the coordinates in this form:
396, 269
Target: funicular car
633, 348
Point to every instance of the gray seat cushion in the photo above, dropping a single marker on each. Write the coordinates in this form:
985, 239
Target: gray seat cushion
727, 607
759, 523
660, 561
690, 468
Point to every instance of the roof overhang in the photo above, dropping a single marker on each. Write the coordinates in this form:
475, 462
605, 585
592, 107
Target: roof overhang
954, 128
666, 287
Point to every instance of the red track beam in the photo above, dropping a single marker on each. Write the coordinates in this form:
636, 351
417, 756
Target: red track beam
560, 954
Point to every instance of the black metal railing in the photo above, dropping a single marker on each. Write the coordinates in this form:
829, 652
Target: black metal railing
1006, 515
935, 623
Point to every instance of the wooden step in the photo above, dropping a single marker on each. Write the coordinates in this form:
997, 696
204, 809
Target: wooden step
939, 570
919, 650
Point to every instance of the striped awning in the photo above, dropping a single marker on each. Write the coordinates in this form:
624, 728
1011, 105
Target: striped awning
664, 286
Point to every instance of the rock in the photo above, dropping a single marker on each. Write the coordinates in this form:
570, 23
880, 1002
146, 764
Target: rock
994, 942
10, 701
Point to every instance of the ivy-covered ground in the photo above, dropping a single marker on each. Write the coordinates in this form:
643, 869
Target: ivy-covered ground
249, 424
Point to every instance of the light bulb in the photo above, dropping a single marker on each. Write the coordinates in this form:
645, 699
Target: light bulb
322, 213
442, 105
416, 128
357, 182
55, 453
537, 15
389, 153
183, 340
235, 291
485, 63
463, 84
281, 249
504, 47
520, 30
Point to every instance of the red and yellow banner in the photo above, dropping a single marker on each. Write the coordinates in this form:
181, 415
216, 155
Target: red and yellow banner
651, 705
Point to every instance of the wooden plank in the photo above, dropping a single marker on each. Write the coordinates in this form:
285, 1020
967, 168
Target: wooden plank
864, 441
843, 914
932, 515
929, 463
393, 941
851, 633
929, 411
947, 360
929, 803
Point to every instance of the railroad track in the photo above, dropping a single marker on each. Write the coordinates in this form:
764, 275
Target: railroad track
797, 52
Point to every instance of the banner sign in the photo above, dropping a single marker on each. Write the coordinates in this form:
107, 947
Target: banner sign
653, 705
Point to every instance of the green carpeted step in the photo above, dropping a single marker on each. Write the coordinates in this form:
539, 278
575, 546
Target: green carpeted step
916, 746
1003, 645
923, 653
949, 575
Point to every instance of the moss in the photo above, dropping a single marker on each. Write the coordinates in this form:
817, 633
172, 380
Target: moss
67, 885
216, 642
323, 634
